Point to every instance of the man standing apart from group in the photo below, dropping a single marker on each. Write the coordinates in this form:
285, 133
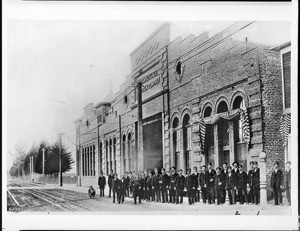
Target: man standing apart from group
110, 180
277, 183
101, 184
288, 182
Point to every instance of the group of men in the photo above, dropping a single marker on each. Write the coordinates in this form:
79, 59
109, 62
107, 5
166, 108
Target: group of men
212, 185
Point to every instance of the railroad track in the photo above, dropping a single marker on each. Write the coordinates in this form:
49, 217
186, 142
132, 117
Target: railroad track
61, 204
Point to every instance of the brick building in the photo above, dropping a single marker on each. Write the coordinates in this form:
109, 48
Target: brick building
204, 99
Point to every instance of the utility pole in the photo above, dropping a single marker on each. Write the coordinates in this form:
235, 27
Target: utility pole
140, 157
59, 160
43, 165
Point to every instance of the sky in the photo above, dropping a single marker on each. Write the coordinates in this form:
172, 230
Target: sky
56, 67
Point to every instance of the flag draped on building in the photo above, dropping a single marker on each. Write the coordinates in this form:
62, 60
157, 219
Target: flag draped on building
245, 125
242, 112
285, 128
202, 134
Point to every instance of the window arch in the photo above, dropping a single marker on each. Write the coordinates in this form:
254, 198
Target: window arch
207, 112
222, 107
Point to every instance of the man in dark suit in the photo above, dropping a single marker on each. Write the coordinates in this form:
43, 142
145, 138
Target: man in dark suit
164, 184
101, 184
114, 186
235, 171
241, 184
250, 181
121, 190
256, 183
172, 191
137, 185
196, 191
127, 184
220, 179
148, 187
111, 177
276, 183
190, 187
202, 182
230, 185
179, 187
287, 182
224, 171
210, 184
155, 185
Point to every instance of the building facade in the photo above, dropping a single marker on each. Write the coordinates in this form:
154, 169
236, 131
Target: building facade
204, 100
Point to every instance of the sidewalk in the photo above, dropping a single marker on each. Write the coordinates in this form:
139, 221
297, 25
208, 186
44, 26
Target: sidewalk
198, 208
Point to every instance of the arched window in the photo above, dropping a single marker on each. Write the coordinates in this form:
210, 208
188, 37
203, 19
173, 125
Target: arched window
207, 112
115, 157
187, 141
223, 135
124, 153
129, 152
176, 143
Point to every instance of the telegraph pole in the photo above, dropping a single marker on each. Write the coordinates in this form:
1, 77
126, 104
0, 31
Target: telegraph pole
140, 157
43, 165
59, 160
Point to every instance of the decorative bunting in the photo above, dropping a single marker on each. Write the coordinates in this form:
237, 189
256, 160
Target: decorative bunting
202, 134
285, 128
242, 112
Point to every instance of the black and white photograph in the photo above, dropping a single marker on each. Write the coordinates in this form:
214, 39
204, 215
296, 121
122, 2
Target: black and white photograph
150, 117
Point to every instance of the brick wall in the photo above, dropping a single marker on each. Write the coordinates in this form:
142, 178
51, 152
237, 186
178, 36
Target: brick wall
271, 108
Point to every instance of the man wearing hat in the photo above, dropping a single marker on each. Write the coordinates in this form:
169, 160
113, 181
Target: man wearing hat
114, 186
121, 190
219, 185
179, 186
173, 176
277, 183
101, 183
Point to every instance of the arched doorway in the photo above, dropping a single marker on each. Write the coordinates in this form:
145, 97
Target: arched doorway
223, 135
240, 147
187, 144
176, 143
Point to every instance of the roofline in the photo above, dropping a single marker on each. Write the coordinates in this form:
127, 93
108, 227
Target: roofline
149, 38
281, 46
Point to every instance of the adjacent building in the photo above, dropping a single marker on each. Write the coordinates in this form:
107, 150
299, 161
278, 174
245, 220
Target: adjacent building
204, 100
